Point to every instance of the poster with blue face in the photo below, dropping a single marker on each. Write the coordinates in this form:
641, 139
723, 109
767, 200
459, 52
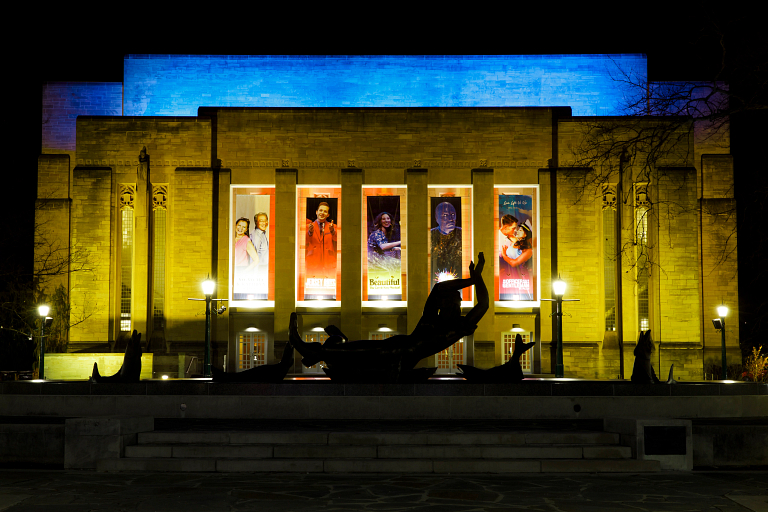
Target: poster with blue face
383, 248
516, 279
445, 238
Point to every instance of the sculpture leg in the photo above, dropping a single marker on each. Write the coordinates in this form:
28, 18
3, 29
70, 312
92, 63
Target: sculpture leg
311, 352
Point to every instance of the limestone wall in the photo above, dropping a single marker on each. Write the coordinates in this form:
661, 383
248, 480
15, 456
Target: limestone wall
91, 220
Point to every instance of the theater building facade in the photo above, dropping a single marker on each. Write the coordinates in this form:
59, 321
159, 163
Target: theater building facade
346, 203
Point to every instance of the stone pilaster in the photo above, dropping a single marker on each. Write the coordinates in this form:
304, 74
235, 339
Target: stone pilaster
418, 227
483, 230
285, 250
351, 247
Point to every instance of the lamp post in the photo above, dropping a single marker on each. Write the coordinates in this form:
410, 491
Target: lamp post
43, 311
558, 288
722, 311
208, 287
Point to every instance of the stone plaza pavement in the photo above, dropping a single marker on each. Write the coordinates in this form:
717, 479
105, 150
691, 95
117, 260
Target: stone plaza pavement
70, 491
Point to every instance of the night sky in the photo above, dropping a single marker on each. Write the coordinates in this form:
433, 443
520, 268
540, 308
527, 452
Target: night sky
679, 46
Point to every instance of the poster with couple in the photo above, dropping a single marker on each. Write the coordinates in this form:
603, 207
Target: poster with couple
516, 278
252, 242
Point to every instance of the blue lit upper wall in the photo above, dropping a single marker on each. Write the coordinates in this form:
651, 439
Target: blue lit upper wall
64, 101
176, 85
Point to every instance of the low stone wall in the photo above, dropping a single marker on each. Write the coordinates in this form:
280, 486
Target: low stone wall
32, 443
730, 444
79, 366
434, 400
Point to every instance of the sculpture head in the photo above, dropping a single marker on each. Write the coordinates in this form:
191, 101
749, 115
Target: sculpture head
450, 307
445, 215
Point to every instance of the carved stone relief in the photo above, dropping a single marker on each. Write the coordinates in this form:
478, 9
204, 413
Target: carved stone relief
609, 197
160, 197
127, 196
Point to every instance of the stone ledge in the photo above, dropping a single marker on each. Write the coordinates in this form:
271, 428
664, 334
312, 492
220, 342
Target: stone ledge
529, 387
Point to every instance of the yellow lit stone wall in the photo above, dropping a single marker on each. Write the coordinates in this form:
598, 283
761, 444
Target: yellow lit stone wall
91, 221
417, 148
52, 222
719, 258
189, 252
675, 281
106, 156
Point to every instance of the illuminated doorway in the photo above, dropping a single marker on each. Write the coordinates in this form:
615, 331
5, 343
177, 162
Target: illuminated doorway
315, 337
526, 360
448, 359
251, 350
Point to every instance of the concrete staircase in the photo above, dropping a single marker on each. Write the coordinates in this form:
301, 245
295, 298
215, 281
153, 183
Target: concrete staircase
540, 451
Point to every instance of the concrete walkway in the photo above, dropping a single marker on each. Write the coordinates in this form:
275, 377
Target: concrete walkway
70, 491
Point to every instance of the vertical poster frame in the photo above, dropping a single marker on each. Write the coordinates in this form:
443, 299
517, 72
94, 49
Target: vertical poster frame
235, 300
400, 191
467, 223
535, 217
303, 219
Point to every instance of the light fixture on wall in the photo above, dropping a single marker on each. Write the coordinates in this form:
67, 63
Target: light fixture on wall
251, 328
384, 328
517, 328
317, 328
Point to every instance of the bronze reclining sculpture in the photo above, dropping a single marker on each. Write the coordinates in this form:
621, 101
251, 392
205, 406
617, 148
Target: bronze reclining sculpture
130, 371
393, 360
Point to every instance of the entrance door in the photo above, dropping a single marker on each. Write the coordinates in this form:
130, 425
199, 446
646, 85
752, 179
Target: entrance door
251, 350
448, 359
526, 360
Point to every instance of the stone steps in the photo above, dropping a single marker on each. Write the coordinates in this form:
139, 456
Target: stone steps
378, 452
379, 465
522, 438
308, 451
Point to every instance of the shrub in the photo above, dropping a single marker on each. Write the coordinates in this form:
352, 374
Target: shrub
756, 366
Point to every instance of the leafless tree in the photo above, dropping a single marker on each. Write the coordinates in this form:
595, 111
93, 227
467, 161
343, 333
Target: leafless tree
660, 126
47, 283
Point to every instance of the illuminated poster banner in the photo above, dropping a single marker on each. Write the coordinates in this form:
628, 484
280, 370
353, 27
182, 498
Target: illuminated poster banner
320, 231
384, 279
445, 238
252, 256
516, 275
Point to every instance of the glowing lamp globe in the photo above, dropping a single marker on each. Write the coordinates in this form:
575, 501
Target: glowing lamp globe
722, 311
559, 287
43, 310
208, 287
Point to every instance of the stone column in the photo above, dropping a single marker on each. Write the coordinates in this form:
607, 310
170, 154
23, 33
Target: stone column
484, 231
141, 246
221, 265
284, 225
351, 247
418, 227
